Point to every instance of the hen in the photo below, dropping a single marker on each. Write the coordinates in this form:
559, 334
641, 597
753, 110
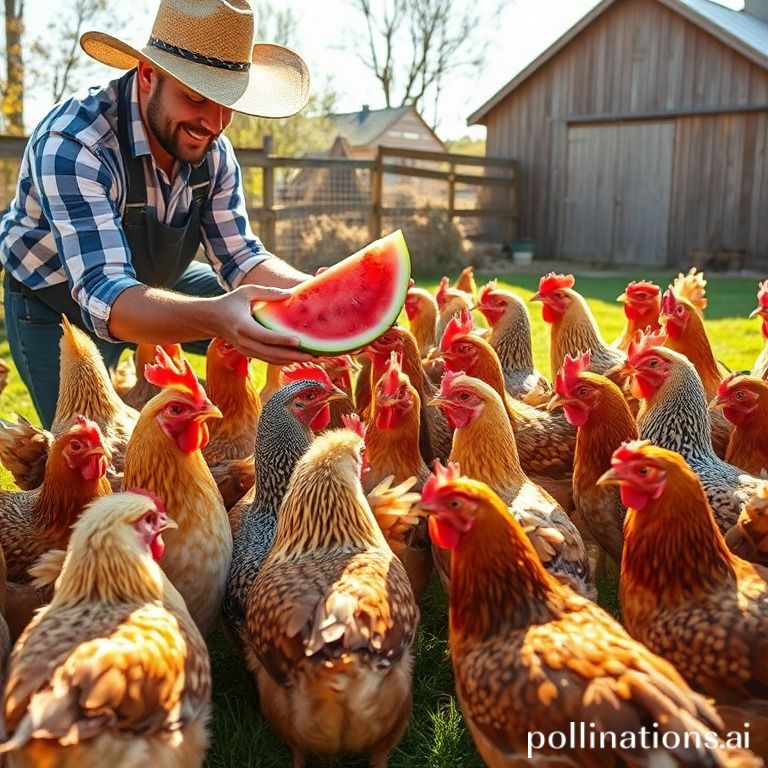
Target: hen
760, 367
510, 323
683, 593
113, 672
531, 656
165, 456
449, 302
642, 304
597, 408
286, 429
484, 447
573, 327
744, 402
333, 616
674, 415
334, 373
421, 310
466, 281
748, 539
545, 441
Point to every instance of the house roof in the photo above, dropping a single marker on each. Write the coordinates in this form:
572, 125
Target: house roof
362, 128
737, 29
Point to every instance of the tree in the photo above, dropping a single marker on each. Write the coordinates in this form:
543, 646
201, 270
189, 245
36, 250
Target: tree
414, 45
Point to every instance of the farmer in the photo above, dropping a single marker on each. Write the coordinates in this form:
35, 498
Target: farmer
118, 190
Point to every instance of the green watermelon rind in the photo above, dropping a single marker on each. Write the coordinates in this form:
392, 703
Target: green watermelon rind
388, 317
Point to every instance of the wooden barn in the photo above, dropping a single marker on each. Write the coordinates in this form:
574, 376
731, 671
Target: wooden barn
642, 136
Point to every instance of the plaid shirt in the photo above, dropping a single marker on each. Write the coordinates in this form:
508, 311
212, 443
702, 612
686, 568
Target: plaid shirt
65, 220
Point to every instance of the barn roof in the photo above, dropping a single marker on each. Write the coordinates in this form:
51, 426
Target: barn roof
362, 128
739, 30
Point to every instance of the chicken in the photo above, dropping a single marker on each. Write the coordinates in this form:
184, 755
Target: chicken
510, 323
530, 656
137, 391
597, 408
392, 453
32, 522
466, 281
683, 593
685, 331
421, 309
286, 429
449, 302
748, 538
674, 415
342, 403
573, 326
113, 672
545, 441
165, 456
743, 400
642, 304
436, 435
484, 447
85, 389
333, 616
760, 367
692, 286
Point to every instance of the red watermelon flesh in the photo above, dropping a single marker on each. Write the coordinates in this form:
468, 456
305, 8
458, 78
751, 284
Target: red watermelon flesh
348, 305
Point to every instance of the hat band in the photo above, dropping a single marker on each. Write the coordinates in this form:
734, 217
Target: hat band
199, 58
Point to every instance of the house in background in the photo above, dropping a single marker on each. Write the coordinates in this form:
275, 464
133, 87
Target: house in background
642, 136
401, 127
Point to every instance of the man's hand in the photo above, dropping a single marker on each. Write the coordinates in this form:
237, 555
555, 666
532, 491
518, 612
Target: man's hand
237, 325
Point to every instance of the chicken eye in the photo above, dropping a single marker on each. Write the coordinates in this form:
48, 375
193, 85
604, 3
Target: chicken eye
583, 391
175, 409
149, 519
641, 296
464, 349
643, 471
653, 362
454, 504
463, 395
75, 445
739, 395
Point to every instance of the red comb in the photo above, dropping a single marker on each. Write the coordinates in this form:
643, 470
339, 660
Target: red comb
150, 495
442, 291
459, 325
91, 429
352, 421
167, 372
393, 374
628, 451
304, 371
668, 302
568, 375
762, 294
442, 476
642, 286
552, 281
446, 383
486, 291
642, 341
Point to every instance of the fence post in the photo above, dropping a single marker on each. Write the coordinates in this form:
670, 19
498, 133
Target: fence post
269, 235
377, 185
451, 191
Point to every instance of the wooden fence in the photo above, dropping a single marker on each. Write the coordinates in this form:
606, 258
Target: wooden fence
313, 210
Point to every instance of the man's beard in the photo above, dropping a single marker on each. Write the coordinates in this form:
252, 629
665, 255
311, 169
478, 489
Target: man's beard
168, 137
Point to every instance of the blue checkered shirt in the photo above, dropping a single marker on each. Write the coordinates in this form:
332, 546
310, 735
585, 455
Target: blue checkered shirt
65, 220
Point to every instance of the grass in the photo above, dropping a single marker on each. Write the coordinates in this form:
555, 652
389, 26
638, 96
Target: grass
436, 736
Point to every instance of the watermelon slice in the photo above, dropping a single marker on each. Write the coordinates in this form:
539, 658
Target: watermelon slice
348, 305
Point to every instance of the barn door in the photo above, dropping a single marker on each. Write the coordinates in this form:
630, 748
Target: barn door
618, 192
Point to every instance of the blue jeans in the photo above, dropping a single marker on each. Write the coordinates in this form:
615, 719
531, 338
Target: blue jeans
34, 332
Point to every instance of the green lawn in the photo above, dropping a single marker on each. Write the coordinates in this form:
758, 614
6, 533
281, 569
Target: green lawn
436, 736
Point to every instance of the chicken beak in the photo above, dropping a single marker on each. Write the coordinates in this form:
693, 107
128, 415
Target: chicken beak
556, 402
536, 297
715, 403
208, 411
621, 371
170, 524
755, 312
623, 298
335, 394
438, 401
611, 477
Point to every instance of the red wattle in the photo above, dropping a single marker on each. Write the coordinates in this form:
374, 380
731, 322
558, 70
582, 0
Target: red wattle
576, 415
634, 497
548, 314
321, 420
734, 415
443, 534
195, 437
157, 547
386, 418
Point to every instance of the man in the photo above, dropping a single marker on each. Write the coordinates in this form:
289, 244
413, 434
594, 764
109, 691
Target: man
117, 191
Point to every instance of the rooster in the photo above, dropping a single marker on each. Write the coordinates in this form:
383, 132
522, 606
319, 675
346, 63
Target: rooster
642, 304
85, 389
286, 429
597, 408
573, 326
333, 615
545, 441
683, 593
530, 655
113, 672
674, 415
760, 367
685, 331
744, 402
510, 323
137, 391
165, 457
748, 539
484, 447
421, 310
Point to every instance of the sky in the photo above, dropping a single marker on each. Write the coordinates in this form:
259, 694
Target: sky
523, 30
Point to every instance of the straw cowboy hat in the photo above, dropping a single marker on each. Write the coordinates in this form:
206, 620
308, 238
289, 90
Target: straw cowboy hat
208, 46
